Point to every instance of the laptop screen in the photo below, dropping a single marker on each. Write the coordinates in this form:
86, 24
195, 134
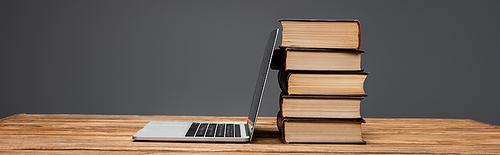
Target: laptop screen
261, 80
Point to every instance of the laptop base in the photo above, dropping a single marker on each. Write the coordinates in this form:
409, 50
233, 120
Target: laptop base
176, 131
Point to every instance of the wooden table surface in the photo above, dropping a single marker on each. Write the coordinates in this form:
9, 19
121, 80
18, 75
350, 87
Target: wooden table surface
112, 134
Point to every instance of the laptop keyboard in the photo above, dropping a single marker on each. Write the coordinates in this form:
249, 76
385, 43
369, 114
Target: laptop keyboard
214, 130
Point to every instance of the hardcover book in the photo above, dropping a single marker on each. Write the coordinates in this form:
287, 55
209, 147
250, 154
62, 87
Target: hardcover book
318, 59
322, 83
320, 130
321, 33
320, 106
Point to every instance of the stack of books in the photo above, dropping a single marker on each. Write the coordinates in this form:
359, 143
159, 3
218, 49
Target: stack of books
322, 82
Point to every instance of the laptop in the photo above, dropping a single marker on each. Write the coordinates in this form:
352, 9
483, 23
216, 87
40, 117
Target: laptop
214, 131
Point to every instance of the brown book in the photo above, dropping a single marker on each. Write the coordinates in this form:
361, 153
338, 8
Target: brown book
320, 130
316, 59
320, 106
320, 33
322, 83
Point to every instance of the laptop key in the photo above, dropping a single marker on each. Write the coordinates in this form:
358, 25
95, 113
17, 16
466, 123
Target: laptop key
211, 130
237, 131
229, 130
220, 130
192, 129
201, 130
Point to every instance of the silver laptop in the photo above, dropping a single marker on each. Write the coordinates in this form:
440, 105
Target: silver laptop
214, 131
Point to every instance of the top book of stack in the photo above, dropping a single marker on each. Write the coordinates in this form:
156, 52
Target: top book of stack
320, 33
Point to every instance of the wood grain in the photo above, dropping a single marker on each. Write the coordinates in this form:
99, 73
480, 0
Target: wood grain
112, 134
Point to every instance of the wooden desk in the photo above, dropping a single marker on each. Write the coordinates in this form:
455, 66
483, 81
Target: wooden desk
106, 134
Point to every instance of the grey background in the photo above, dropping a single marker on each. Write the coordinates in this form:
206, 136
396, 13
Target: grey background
431, 59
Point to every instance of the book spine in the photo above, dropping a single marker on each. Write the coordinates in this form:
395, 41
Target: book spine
282, 95
278, 60
283, 81
280, 123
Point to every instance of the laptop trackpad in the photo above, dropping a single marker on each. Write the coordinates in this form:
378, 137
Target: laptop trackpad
164, 129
